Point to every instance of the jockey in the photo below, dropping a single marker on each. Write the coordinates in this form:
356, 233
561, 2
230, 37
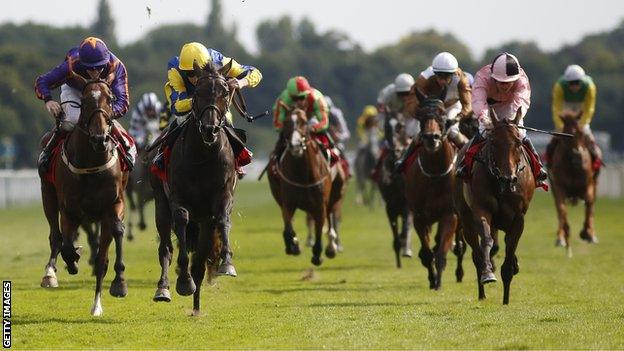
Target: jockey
91, 60
144, 121
444, 74
574, 94
338, 128
300, 94
391, 102
503, 86
366, 121
180, 87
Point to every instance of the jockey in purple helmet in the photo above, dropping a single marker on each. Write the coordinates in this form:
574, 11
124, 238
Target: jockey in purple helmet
91, 60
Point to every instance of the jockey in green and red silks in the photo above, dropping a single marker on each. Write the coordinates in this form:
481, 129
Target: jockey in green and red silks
92, 60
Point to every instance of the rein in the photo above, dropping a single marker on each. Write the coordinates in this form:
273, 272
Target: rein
435, 175
295, 183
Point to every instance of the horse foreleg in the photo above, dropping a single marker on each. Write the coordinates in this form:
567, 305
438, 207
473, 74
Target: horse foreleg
165, 247
50, 209
332, 235
223, 226
510, 265
587, 233
446, 230
119, 287
131, 211
459, 250
319, 221
482, 222
68, 251
184, 283
310, 226
289, 235
141, 208
396, 239
406, 237
199, 260
101, 266
563, 230
425, 253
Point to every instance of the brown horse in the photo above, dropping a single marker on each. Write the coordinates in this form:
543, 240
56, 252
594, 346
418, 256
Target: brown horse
139, 193
572, 177
89, 186
197, 198
497, 196
429, 183
392, 188
301, 178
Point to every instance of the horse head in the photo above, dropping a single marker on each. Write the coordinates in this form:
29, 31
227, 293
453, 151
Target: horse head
431, 115
571, 126
96, 115
505, 161
210, 102
295, 131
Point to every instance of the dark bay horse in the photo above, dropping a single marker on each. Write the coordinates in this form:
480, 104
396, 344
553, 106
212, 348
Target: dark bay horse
197, 198
392, 188
89, 187
429, 183
497, 196
572, 178
139, 193
301, 178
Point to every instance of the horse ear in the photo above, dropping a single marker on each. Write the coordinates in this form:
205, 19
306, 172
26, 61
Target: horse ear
197, 69
420, 96
110, 78
518, 116
579, 115
493, 115
82, 81
226, 69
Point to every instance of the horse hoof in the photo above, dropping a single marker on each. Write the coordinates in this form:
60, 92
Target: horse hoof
406, 252
96, 310
340, 248
142, 226
487, 278
49, 282
195, 313
296, 251
330, 251
162, 295
185, 286
560, 242
119, 288
72, 268
317, 261
130, 237
226, 269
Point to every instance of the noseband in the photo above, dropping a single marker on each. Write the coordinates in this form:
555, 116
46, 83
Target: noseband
505, 183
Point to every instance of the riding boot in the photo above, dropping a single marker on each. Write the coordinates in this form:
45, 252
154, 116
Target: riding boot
594, 152
542, 176
462, 168
171, 129
399, 164
46, 154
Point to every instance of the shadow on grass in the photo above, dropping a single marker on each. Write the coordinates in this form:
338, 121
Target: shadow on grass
31, 321
365, 304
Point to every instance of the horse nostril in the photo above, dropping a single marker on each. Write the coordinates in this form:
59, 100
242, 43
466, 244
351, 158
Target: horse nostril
514, 179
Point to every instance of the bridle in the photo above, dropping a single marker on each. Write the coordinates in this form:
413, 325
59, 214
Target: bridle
505, 183
109, 121
213, 128
431, 108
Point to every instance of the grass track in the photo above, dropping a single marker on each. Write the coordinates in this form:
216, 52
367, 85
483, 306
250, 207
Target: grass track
356, 301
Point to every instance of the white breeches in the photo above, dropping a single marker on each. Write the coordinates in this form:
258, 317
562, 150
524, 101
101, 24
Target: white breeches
72, 112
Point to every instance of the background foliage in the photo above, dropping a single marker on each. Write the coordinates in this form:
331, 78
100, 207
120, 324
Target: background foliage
332, 61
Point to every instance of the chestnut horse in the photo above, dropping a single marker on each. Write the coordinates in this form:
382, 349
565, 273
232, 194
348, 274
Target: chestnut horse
392, 188
301, 178
497, 196
572, 178
89, 187
197, 198
429, 183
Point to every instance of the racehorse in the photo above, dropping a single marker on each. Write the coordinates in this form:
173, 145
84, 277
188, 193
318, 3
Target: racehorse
496, 196
302, 178
198, 192
139, 193
429, 182
392, 189
572, 177
89, 187
365, 160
